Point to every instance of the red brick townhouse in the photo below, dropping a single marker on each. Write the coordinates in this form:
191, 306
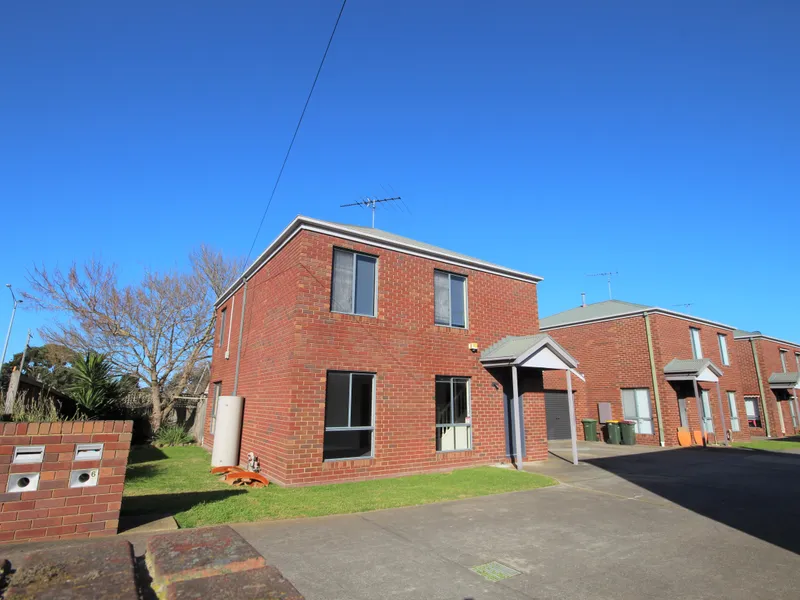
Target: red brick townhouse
770, 371
658, 367
360, 354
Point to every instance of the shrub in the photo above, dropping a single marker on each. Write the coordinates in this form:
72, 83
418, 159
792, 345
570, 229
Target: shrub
172, 435
38, 409
95, 390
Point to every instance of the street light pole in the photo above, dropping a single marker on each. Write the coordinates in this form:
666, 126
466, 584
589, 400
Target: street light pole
11, 324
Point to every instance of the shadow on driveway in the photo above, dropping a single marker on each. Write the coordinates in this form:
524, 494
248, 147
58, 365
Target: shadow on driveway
754, 491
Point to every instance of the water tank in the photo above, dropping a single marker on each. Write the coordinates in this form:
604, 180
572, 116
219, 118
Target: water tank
228, 431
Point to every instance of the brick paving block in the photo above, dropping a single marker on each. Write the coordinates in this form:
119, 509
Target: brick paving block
197, 553
265, 583
95, 570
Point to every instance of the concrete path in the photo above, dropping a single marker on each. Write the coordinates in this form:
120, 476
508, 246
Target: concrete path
698, 523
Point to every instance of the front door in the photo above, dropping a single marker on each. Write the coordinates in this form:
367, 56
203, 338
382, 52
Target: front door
708, 419
682, 412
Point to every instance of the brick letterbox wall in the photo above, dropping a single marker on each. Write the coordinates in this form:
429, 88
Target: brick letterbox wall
55, 510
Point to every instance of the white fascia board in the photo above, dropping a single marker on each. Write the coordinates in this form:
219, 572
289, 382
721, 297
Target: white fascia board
758, 336
640, 312
301, 223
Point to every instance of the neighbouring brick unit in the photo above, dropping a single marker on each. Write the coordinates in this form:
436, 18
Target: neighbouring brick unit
778, 403
614, 355
56, 510
291, 340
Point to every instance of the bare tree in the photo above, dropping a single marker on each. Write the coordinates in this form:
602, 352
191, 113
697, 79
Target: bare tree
159, 329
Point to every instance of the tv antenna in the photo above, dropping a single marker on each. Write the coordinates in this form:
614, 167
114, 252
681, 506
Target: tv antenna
371, 203
608, 275
685, 305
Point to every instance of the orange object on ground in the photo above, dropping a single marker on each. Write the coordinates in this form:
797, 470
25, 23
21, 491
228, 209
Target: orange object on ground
220, 470
698, 437
684, 437
248, 478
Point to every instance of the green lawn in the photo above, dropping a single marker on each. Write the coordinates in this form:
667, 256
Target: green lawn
792, 443
176, 481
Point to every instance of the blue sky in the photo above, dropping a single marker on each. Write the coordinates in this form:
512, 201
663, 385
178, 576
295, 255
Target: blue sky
659, 140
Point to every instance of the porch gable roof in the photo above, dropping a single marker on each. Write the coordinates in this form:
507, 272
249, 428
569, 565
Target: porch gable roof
701, 369
521, 349
784, 381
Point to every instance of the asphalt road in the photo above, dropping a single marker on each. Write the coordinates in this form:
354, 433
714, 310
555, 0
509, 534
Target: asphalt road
700, 523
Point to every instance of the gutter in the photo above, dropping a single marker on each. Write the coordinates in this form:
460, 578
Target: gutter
761, 388
654, 375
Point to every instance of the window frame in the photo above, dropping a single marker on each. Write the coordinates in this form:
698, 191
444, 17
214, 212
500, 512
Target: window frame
450, 276
217, 393
733, 410
222, 314
756, 404
723, 349
783, 352
355, 255
705, 401
468, 425
697, 346
638, 419
370, 427
797, 360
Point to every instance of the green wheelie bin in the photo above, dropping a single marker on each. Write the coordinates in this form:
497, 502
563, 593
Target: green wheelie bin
628, 431
589, 429
613, 432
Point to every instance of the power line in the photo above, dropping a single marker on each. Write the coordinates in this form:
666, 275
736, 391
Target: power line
296, 129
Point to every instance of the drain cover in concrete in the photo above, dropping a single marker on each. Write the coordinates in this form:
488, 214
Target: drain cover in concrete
494, 571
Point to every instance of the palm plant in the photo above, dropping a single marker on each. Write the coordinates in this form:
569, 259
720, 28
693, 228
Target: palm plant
95, 389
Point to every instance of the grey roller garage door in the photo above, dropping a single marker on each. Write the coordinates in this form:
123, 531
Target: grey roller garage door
557, 413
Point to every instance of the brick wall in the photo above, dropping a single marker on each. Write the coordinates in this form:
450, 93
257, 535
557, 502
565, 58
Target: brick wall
56, 511
769, 361
613, 355
292, 339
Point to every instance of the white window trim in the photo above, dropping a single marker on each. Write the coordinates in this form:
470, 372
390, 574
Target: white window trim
450, 299
468, 426
217, 393
723, 350
783, 352
355, 278
370, 427
639, 418
697, 347
222, 314
732, 408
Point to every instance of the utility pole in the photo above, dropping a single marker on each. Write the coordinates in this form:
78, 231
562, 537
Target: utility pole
370, 203
11, 324
13, 385
608, 275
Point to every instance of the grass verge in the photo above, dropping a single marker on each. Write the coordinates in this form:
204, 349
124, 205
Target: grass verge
774, 444
176, 481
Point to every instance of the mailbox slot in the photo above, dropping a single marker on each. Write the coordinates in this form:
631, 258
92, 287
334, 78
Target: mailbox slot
89, 452
25, 455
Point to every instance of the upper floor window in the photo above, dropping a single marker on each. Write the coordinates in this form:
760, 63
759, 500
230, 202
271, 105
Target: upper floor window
723, 349
222, 326
450, 299
797, 360
783, 360
697, 350
353, 283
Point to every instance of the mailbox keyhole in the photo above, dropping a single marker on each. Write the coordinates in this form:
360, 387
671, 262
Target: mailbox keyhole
83, 477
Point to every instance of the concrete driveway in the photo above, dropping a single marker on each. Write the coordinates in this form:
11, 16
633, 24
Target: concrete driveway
701, 523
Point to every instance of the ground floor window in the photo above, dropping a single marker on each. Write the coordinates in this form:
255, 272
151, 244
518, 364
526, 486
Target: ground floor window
753, 413
708, 419
453, 414
636, 407
734, 411
217, 393
349, 412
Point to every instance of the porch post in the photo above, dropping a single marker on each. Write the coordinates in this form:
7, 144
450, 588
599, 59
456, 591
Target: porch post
517, 428
699, 408
796, 409
722, 415
572, 426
